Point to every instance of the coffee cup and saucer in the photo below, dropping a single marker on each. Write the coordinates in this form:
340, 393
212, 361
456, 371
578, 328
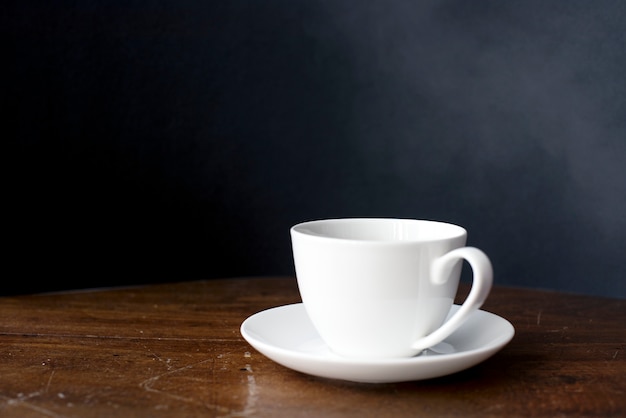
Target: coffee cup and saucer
378, 303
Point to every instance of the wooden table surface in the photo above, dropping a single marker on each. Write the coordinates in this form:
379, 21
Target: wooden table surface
175, 350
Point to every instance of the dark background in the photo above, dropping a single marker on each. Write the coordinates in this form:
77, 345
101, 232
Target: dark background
147, 141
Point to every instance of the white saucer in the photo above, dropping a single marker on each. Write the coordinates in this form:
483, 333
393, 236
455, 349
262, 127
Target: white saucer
285, 335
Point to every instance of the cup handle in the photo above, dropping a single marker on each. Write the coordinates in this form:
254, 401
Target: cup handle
481, 286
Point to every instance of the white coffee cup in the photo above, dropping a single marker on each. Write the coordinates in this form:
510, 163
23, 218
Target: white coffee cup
383, 287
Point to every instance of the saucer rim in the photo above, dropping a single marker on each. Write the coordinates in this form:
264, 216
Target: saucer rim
289, 357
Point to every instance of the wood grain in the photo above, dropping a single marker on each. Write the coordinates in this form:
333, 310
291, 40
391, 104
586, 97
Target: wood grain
175, 350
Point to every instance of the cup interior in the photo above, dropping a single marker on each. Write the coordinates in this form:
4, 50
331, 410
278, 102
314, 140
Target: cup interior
380, 229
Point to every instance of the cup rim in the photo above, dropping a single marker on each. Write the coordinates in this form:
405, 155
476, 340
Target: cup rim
446, 230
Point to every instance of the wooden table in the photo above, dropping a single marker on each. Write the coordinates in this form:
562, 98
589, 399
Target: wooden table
175, 350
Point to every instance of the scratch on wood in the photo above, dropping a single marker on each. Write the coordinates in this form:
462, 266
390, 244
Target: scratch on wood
157, 357
147, 384
562, 330
539, 317
252, 392
49, 382
22, 399
251, 398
